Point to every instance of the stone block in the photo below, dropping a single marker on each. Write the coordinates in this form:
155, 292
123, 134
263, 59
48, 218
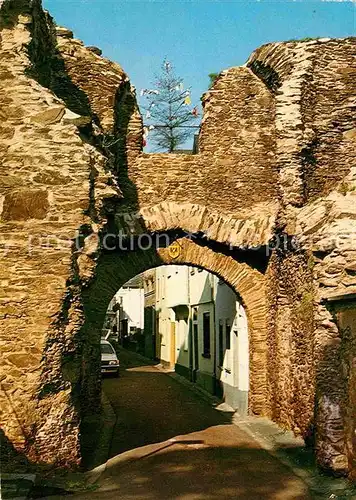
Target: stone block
49, 116
25, 204
74, 119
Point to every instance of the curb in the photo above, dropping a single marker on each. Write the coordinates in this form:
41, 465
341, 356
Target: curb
139, 453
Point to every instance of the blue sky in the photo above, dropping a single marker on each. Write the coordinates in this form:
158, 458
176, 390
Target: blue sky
199, 36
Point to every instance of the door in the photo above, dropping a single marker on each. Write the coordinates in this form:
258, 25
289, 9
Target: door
196, 351
157, 338
173, 344
124, 328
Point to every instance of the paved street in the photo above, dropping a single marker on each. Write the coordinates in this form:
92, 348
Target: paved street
208, 458
152, 407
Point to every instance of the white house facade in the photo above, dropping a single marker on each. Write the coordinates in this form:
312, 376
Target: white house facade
201, 332
125, 314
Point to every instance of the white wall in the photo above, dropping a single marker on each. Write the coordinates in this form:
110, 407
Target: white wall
176, 285
132, 306
243, 349
165, 314
200, 286
179, 291
228, 311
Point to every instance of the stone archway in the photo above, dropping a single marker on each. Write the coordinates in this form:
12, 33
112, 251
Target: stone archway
60, 410
257, 173
254, 231
114, 269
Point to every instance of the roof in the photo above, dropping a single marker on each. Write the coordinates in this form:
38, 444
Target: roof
135, 282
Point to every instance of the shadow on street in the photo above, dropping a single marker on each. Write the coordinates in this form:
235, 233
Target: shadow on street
151, 407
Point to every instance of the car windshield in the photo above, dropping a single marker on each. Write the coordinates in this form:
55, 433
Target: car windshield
107, 349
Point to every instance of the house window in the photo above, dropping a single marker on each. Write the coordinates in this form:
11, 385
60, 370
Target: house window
221, 343
195, 313
206, 334
228, 335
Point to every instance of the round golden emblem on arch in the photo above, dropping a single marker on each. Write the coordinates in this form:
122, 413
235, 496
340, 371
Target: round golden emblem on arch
174, 250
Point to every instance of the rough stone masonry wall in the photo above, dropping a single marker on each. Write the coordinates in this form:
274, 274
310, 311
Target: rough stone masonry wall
344, 314
327, 228
330, 154
314, 85
228, 190
53, 181
308, 90
291, 377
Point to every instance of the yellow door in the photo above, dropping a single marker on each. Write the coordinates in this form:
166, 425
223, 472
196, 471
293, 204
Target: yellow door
158, 339
173, 344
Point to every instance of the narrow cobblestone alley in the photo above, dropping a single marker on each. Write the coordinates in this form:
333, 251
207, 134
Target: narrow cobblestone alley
182, 447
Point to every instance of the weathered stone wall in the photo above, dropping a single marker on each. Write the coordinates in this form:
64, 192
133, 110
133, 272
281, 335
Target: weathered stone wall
39, 197
276, 161
51, 182
232, 183
312, 83
290, 342
344, 313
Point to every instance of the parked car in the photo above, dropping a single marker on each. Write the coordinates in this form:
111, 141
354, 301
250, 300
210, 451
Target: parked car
109, 359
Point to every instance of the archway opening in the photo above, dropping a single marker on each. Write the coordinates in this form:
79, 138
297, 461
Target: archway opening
189, 321
244, 386
175, 321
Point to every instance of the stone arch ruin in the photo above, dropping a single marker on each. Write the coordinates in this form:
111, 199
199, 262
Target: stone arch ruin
268, 204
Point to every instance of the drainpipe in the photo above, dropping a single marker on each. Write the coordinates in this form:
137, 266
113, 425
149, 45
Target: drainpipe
214, 334
190, 331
